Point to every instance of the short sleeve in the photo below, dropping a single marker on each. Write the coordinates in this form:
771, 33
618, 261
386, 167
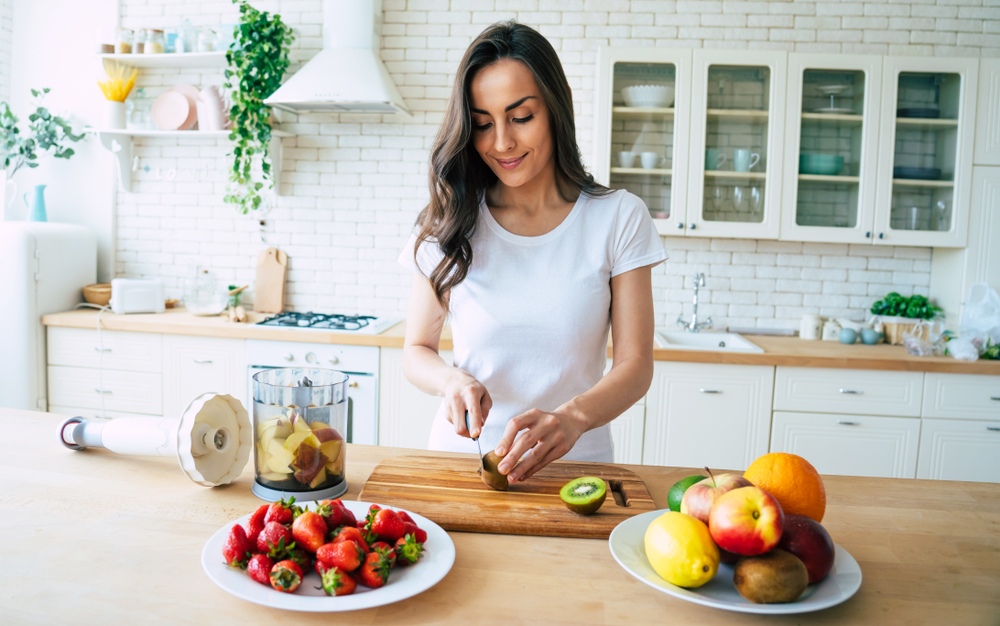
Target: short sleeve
428, 256
636, 242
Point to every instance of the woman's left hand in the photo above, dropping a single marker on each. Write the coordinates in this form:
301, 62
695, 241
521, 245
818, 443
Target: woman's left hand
546, 437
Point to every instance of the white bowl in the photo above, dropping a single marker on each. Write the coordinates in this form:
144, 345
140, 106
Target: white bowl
648, 96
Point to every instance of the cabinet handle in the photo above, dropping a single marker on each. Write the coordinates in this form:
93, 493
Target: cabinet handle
289, 356
997, 428
693, 226
96, 349
710, 391
881, 235
852, 392
680, 225
203, 360
354, 384
334, 360
848, 423
997, 398
868, 235
102, 390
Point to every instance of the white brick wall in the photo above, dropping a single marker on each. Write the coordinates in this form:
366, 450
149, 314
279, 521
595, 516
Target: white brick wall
6, 35
353, 184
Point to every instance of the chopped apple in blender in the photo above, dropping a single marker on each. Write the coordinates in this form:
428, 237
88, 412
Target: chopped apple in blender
308, 463
319, 478
281, 458
273, 476
299, 423
269, 433
282, 424
297, 438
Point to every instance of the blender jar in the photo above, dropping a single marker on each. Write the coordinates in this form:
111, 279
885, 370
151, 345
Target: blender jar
300, 415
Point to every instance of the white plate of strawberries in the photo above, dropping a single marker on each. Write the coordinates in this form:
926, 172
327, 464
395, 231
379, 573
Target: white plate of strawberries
327, 556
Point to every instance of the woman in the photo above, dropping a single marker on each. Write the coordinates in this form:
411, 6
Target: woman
533, 261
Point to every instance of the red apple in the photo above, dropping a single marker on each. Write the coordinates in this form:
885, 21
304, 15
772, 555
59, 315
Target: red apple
807, 539
700, 497
747, 521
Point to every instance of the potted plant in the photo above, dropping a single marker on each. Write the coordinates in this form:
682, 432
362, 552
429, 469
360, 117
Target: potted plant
900, 314
258, 58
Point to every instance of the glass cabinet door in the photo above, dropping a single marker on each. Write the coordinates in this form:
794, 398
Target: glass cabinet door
641, 129
736, 145
927, 148
831, 147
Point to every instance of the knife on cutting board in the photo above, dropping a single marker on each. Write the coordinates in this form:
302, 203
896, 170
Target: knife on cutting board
488, 466
269, 288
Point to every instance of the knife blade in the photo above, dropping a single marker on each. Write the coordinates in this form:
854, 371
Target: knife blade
476, 439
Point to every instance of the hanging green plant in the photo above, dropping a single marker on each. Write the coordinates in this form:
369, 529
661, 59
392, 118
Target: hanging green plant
258, 58
46, 133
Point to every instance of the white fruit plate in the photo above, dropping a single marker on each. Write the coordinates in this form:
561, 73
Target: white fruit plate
627, 543
404, 582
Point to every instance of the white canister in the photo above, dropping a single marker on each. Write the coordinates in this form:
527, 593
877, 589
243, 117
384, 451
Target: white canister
811, 327
831, 331
114, 115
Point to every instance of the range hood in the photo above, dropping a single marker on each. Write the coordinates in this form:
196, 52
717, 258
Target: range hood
347, 76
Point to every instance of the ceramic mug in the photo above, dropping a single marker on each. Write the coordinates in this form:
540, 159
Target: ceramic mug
626, 159
811, 327
651, 160
714, 159
744, 160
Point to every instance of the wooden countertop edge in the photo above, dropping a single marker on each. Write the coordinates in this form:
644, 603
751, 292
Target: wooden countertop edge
784, 351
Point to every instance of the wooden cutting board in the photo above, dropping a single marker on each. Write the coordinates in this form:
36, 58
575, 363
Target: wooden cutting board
448, 491
269, 288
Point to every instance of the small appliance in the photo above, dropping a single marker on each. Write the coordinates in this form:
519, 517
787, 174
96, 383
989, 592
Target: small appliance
137, 295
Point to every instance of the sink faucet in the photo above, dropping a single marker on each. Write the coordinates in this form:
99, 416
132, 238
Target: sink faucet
694, 325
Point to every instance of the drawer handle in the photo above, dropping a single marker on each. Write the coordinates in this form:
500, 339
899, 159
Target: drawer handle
354, 384
102, 349
853, 392
203, 360
102, 390
997, 428
848, 423
710, 391
997, 398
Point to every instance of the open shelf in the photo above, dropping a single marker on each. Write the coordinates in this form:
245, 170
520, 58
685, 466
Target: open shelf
820, 178
822, 119
927, 122
640, 170
213, 134
729, 174
642, 112
170, 59
909, 182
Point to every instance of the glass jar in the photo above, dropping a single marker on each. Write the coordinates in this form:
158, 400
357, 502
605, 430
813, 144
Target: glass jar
124, 38
206, 39
139, 45
138, 110
170, 40
155, 44
203, 295
187, 38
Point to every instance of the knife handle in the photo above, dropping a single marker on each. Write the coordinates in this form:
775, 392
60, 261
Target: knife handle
467, 426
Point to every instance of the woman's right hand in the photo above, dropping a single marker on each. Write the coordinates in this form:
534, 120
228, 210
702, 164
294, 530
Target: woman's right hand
464, 393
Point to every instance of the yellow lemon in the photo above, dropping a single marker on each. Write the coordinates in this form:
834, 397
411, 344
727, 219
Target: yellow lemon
681, 550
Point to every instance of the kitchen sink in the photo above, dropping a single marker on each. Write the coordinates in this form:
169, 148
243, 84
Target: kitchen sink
715, 342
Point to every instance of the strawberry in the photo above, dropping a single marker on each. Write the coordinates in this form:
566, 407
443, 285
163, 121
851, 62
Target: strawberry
309, 531
332, 512
281, 511
259, 515
403, 515
347, 555
387, 525
237, 550
275, 540
253, 531
375, 571
348, 517
286, 576
259, 568
338, 583
301, 557
321, 567
385, 550
349, 533
408, 549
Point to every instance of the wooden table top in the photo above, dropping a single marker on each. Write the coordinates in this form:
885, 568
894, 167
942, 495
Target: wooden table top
93, 538
786, 351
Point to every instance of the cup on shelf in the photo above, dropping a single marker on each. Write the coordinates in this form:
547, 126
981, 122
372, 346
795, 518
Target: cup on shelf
744, 160
626, 159
651, 160
714, 159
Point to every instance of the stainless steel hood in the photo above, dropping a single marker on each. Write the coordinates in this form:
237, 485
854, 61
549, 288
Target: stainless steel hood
347, 76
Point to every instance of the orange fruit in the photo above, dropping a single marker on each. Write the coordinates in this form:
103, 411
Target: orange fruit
793, 482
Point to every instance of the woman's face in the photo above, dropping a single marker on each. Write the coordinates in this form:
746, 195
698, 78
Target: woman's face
510, 122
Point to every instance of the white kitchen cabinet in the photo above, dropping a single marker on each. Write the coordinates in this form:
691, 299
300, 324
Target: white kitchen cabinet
822, 390
737, 143
405, 412
657, 127
925, 151
959, 396
127, 392
627, 433
196, 365
988, 113
849, 444
831, 147
959, 450
113, 350
700, 414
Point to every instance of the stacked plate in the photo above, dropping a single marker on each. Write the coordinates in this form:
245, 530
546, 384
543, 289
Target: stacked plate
648, 96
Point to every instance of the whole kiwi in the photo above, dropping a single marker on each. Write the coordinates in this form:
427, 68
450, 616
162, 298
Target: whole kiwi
491, 475
770, 578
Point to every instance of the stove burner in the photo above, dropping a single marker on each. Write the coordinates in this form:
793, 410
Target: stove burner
334, 321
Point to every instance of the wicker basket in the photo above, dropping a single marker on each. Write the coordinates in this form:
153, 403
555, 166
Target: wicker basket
98, 293
894, 330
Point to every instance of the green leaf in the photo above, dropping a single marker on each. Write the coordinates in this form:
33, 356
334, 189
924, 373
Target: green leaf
34, 93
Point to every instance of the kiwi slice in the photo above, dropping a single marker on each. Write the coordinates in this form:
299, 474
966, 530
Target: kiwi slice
584, 495
491, 475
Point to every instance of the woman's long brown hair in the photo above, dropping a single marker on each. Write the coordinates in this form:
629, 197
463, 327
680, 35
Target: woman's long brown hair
459, 177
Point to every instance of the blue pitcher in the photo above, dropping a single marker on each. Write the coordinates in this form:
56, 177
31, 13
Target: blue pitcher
36, 210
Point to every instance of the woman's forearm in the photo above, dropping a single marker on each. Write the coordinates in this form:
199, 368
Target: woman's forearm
426, 370
623, 386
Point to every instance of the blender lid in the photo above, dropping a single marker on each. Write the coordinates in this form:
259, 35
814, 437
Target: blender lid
214, 439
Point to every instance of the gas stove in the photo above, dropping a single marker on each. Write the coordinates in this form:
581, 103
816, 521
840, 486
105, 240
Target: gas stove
360, 324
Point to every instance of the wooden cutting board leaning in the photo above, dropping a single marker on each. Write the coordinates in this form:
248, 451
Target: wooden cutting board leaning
269, 288
448, 491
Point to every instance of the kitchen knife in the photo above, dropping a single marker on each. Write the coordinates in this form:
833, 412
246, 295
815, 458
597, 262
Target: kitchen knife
488, 468
476, 439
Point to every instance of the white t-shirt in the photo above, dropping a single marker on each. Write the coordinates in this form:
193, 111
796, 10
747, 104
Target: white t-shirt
531, 319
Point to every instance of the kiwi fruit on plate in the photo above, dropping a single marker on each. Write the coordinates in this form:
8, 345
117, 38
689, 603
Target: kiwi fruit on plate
491, 475
773, 577
584, 495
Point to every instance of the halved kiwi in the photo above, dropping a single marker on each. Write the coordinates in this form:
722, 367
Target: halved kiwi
584, 495
491, 475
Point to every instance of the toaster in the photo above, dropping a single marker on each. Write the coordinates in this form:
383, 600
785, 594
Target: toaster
137, 295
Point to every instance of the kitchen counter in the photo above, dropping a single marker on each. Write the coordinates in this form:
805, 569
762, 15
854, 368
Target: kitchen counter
94, 537
786, 351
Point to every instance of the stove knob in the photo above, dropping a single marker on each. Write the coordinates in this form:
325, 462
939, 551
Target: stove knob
334, 360
289, 357
310, 357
